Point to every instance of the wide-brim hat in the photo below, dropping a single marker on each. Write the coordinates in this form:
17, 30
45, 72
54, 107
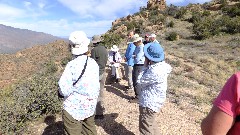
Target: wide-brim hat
153, 35
114, 48
154, 52
136, 38
79, 42
96, 39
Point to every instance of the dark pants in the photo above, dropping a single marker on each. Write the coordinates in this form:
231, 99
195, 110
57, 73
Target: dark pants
100, 108
75, 127
137, 69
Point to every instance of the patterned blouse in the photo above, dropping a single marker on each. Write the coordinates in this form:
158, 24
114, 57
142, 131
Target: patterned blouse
153, 84
80, 100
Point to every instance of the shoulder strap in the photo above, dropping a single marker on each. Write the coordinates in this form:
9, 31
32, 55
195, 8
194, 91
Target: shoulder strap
81, 73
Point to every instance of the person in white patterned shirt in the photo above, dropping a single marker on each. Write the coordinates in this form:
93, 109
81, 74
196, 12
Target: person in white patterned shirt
80, 94
114, 57
153, 84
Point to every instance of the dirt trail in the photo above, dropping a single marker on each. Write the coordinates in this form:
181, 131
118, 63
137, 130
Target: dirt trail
179, 116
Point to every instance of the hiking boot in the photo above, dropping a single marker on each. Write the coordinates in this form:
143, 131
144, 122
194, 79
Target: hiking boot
134, 100
117, 80
129, 92
128, 88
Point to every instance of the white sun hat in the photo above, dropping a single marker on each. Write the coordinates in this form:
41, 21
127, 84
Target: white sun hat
79, 42
136, 38
114, 48
152, 35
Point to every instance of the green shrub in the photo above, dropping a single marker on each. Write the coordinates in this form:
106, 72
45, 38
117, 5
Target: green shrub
233, 26
27, 101
206, 13
180, 13
111, 39
205, 28
171, 24
172, 36
171, 10
232, 11
196, 17
131, 25
51, 67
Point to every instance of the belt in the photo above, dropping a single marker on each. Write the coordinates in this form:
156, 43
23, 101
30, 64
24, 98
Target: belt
138, 64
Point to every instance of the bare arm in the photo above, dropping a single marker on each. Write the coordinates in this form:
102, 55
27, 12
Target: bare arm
217, 122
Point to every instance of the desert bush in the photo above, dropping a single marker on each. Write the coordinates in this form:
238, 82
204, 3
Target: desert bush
233, 26
28, 100
155, 19
131, 25
202, 28
171, 24
232, 11
196, 17
171, 10
206, 13
66, 60
172, 36
51, 67
180, 13
111, 39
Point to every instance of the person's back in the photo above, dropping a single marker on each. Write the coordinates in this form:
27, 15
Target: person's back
100, 55
79, 86
77, 93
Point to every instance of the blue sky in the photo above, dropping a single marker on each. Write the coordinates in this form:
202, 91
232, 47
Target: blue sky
61, 17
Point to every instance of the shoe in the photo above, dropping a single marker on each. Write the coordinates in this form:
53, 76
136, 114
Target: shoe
117, 80
99, 117
127, 87
134, 100
129, 91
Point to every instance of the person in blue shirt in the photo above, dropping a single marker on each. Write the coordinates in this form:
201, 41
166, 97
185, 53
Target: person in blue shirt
129, 63
139, 60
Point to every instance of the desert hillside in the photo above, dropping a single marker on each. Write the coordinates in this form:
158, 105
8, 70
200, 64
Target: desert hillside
202, 56
15, 39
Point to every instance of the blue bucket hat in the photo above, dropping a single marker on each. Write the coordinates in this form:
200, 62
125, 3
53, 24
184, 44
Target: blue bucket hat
154, 52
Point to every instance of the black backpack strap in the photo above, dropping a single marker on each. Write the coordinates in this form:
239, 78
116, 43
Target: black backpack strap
81, 73
237, 118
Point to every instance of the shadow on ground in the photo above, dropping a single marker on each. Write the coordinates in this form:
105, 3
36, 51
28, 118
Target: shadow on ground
116, 88
112, 127
53, 128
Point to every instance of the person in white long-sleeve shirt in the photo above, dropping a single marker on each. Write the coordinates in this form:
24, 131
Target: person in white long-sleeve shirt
153, 84
115, 58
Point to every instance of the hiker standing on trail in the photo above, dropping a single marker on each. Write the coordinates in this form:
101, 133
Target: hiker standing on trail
224, 117
114, 58
79, 85
139, 60
130, 62
153, 84
100, 55
152, 38
146, 39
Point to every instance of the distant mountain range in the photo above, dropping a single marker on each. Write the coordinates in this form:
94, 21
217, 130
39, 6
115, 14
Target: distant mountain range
15, 39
